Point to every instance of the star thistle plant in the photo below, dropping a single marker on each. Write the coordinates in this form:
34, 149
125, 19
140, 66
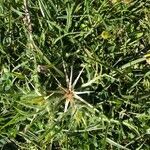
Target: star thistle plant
69, 94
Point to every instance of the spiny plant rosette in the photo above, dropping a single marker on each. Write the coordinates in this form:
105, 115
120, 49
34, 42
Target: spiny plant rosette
69, 94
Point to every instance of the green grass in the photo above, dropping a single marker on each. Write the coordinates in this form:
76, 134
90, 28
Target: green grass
74, 75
